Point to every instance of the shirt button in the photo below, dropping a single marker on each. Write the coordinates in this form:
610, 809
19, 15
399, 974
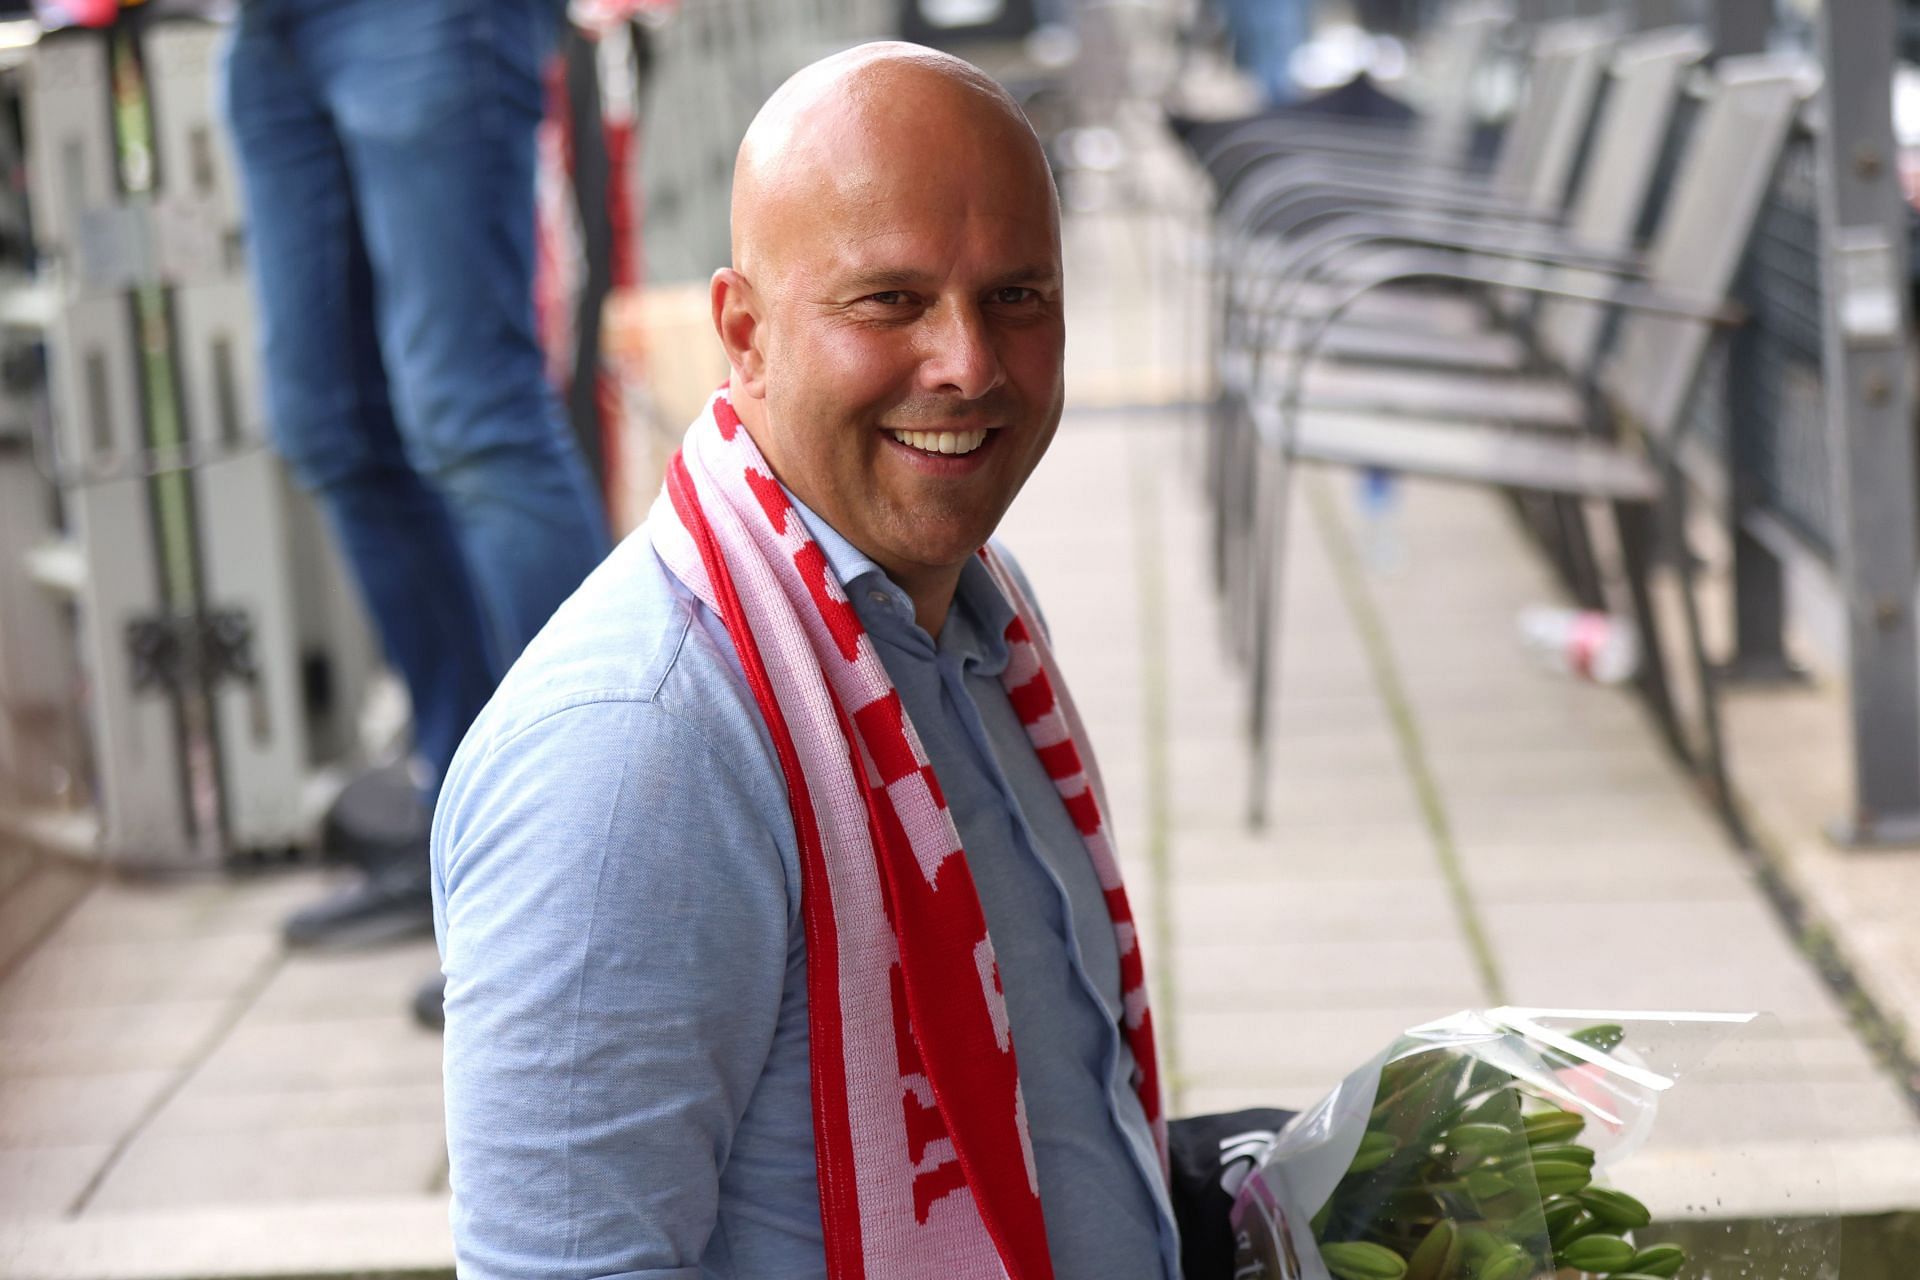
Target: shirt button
878, 597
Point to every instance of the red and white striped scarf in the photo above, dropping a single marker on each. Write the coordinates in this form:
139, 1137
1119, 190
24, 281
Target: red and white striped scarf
916, 1098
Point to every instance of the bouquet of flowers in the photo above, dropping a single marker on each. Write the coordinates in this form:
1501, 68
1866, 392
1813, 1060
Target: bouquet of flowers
1482, 1147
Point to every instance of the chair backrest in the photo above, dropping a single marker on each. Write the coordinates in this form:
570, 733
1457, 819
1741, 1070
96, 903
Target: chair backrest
1540, 98
1449, 61
1453, 56
1535, 157
1537, 160
1617, 178
1719, 185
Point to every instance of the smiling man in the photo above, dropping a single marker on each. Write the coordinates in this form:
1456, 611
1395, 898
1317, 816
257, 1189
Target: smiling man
782, 932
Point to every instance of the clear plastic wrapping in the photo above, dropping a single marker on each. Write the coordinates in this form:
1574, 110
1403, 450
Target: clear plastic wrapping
1528, 1144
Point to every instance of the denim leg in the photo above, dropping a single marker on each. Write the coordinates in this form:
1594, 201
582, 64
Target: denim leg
437, 102
327, 395
1265, 35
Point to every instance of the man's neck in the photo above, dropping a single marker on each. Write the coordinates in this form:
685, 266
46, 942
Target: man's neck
932, 592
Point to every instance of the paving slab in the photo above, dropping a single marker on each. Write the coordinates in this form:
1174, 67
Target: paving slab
1513, 772
342, 1053
1867, 1175
86, 1040
80, 1110
1226, 974
1789, 766
42, 1183
1522, 874
1700, 954
274, 1165
110, 974
1301, 851
1299, 1053
1326, 910
39, 892
194, 909
325, 986
407, 1237
1391, 849
206, 1106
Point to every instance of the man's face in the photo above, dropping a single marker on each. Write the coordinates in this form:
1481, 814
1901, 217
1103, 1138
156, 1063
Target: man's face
912, 337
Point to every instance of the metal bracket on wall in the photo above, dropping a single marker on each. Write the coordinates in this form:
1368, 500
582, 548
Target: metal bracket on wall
186, 652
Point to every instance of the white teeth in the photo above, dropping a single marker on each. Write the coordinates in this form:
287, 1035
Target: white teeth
942, 441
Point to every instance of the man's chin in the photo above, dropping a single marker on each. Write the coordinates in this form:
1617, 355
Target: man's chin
948, 547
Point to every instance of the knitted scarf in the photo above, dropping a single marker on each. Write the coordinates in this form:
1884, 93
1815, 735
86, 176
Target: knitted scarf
920, 1131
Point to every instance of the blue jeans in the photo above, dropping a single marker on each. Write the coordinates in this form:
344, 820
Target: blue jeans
386, 157
1265, 35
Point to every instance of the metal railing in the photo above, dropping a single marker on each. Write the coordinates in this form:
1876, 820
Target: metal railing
715, 62
1801, 426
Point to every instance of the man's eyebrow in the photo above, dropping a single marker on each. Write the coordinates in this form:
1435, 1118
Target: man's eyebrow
1035, 273
879, 279
876, 279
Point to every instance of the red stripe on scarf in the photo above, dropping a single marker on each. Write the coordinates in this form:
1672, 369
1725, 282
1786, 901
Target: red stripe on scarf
880, 724
968, 1076
833, 1133
1061, 760
1148, 1066
882, 727
724, 417
773, 499
1084, 811
1033, 699
841, 620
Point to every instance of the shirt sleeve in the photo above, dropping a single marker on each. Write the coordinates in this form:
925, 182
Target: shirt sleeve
614, 917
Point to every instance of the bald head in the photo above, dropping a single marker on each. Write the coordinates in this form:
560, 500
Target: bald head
868, 121
893, 315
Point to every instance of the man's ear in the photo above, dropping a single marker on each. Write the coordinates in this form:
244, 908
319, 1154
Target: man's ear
736, 319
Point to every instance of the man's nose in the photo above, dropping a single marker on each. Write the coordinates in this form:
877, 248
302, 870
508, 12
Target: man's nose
960, 355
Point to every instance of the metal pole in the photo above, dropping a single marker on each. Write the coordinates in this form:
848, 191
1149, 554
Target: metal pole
1759, 579
1870, 416
1741, 26
1650, 15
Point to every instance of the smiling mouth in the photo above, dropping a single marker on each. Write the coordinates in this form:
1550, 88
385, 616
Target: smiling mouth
946, 442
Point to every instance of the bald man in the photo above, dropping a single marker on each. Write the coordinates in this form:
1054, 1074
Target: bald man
618, 870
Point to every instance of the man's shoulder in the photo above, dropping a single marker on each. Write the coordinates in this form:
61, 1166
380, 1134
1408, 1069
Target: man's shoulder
1019, 575
631, 634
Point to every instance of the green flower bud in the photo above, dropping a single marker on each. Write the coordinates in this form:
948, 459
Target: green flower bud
1508, 1262
1598, 1254
1553, 1126
1359, 1260
1562, 1177
1663, 1260
1616, 1209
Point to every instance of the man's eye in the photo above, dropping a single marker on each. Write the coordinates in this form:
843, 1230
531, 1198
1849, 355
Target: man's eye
888, 297
1013, 295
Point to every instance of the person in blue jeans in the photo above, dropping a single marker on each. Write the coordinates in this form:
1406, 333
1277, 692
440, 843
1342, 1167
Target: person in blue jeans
1266, 33
386, 153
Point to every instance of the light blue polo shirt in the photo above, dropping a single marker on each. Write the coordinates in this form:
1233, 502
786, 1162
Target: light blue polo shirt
617, 900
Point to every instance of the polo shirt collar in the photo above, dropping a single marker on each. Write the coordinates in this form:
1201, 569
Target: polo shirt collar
975, 630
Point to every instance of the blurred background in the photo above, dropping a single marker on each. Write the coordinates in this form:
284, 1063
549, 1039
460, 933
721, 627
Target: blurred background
1482, 538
